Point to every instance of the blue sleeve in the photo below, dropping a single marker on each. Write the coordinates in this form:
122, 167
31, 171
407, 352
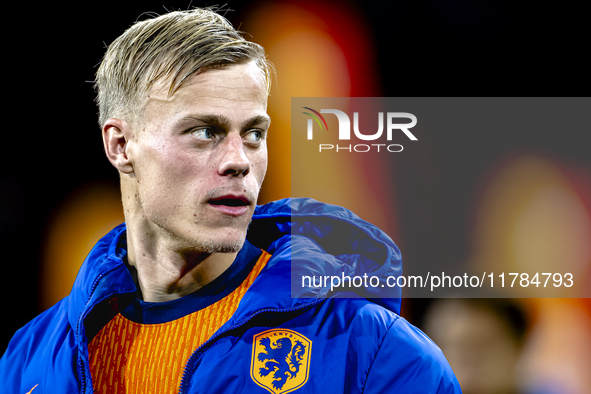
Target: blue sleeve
420, 366
41, 355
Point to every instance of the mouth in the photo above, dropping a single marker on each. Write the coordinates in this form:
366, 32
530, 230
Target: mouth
230, 204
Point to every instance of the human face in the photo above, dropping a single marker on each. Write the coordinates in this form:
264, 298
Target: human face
200, 160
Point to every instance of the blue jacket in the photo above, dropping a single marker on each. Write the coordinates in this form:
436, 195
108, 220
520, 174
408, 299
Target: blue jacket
312, 340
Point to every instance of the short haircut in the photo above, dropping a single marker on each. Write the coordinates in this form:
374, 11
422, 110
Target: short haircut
171, 48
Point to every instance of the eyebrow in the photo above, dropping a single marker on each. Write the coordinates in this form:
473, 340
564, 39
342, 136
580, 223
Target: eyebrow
223, 121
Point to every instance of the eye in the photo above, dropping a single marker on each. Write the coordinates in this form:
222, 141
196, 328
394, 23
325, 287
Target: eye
254, 135
203, 133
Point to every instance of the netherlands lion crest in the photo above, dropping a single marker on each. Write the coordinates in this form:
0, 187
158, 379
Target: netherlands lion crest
280, 360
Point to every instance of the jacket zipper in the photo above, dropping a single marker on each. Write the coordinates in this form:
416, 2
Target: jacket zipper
81, 365
202, 348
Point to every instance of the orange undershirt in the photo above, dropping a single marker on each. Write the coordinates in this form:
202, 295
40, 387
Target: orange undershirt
129, 357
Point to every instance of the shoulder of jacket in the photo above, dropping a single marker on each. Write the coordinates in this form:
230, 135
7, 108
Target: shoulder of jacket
363, 313
43, 327
34, 345
419, 366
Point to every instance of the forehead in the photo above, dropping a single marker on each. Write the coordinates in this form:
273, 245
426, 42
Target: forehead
237, 87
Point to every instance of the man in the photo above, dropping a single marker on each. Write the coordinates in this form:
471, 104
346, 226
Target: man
483, 339
181, 298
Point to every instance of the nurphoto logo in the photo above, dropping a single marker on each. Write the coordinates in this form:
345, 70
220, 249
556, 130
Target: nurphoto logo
344, 130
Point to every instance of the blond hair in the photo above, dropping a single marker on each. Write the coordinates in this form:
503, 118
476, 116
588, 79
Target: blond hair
171, 47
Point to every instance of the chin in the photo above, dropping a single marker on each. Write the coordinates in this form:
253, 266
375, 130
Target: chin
211, 238
222, 246
220, 240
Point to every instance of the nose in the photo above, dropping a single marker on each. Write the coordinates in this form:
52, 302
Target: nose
234, 161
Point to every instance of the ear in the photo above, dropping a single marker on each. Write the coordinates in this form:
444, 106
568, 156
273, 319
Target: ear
116, 135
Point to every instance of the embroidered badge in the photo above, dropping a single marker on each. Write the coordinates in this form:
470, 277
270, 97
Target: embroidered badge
280, 360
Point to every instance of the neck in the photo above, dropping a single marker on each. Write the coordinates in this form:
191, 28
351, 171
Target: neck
165, 272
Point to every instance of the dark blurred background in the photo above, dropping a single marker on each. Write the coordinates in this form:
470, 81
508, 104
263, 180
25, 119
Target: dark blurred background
60, 194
